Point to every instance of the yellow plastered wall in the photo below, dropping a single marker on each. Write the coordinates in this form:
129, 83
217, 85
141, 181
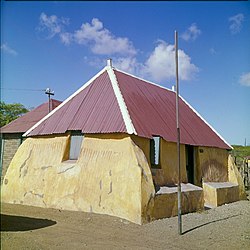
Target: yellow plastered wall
26, 177
169, 162
111, 176
235, 177
168, 171
211, 165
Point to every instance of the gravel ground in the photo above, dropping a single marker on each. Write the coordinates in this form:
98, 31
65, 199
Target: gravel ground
26, 227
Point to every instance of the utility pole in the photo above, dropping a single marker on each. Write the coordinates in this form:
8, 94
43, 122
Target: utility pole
49, 92
178, 135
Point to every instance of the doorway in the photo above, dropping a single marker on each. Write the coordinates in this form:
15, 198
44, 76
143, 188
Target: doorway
190, 163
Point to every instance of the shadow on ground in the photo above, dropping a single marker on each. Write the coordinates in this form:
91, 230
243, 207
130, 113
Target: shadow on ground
12, 223
210, 222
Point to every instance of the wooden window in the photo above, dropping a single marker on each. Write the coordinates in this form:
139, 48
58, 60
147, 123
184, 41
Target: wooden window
75, 144
155, 151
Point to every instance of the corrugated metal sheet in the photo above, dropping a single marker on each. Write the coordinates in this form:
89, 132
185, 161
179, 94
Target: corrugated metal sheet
93, 110
152, 110
25, 122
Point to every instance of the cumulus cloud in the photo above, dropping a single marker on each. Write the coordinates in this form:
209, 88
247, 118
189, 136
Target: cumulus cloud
159, 66
101, 40
161, 63
5, 48
128, 64
191, 33
245, 79
51, 25
236, 23
66, 38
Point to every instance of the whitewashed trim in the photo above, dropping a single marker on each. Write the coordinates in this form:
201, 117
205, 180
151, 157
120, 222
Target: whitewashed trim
64, 102
139, 78
196, 112
122, 105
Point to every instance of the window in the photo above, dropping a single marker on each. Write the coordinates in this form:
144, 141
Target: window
155, 151
75, 144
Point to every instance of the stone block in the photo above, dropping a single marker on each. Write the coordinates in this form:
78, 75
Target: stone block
219, 193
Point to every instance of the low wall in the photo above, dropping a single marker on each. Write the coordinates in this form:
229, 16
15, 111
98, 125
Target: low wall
219, 193
166, 201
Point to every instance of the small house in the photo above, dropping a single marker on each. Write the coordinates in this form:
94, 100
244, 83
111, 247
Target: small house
111, 148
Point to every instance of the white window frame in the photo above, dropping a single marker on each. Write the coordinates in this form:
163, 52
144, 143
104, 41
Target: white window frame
155, 151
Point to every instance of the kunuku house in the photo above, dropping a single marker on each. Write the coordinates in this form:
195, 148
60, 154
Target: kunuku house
111, 148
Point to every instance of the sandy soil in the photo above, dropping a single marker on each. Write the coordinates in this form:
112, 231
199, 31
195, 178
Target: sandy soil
25, 227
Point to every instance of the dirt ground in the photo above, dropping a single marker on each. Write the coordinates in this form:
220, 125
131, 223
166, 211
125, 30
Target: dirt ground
26, 227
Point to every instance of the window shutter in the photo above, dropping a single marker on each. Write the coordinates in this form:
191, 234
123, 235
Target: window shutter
75, 146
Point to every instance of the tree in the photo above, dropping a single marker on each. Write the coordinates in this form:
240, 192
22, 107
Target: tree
9, 112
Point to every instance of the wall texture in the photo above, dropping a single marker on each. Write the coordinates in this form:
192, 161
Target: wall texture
234, 176
111, 176
10, 144
167, 173
212, 165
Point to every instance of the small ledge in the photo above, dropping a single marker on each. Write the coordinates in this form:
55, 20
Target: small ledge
70, 161
185, 187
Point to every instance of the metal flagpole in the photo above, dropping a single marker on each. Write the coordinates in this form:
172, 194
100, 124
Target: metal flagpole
178, 135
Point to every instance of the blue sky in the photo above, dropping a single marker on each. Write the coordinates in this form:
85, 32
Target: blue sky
61, 45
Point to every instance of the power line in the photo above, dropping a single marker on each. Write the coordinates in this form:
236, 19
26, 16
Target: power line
23, 89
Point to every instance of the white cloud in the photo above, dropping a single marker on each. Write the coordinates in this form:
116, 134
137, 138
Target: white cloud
51, 25
159, 66
128, 64
66, 38
245, 79
191, 33
5, 48
161, 63
102, 41
236, 23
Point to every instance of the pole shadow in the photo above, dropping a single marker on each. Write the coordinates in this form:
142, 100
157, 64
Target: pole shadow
210, 222
14, 223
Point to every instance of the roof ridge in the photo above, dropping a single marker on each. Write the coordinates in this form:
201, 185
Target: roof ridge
141, 79
65, 101
121, 102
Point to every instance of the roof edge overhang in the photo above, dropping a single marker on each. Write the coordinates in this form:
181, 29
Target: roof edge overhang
26, 134
209, 125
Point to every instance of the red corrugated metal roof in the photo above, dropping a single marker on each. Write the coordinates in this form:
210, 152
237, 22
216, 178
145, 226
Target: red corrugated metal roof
93, 110
26, 121
152, 110
114, 101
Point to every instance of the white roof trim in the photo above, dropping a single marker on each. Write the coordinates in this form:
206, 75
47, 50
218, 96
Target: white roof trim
206, 122
64, 102
182, 99
139, 78
123, 107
